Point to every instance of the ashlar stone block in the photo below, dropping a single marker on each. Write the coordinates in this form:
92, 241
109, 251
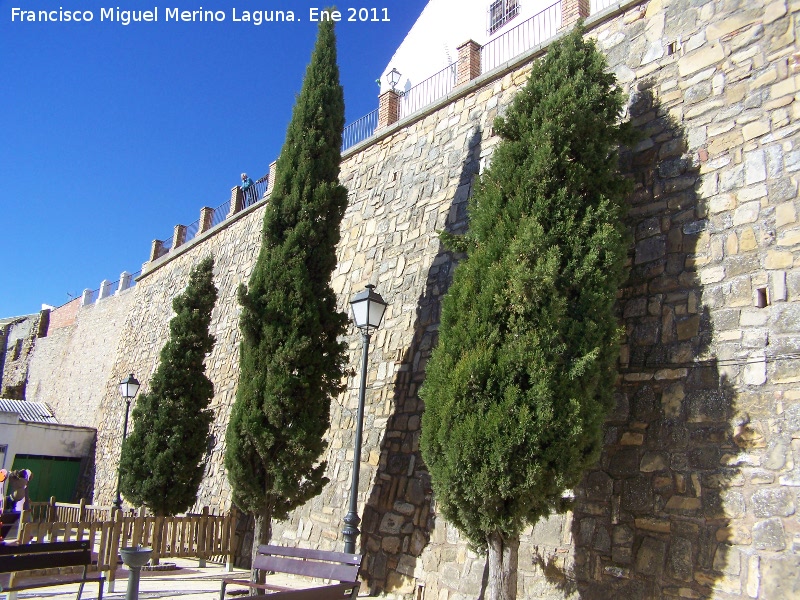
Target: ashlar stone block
769, 534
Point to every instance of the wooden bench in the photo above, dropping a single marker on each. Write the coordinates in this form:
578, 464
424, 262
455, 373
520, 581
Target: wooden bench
320, 564
26, 557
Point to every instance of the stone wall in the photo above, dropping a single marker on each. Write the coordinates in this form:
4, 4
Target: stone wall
71, 365
695, 494
18, 337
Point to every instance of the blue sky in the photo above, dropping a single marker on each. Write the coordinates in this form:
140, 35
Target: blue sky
111, 134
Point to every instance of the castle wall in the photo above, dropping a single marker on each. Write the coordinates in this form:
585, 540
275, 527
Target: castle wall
695, 494
70, 367
17, 340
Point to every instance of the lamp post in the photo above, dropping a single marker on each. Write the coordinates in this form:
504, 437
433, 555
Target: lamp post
368, 308
127, 389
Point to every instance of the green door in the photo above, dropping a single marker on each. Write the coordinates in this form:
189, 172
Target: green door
52, 476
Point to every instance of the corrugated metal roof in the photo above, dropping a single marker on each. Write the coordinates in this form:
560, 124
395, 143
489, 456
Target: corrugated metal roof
31, 412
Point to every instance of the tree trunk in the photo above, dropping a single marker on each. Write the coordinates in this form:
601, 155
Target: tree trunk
158, 526
503, 561
262, 532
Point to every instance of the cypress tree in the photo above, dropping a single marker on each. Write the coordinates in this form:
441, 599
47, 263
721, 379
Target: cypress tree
518, 386
292, 361
160, 464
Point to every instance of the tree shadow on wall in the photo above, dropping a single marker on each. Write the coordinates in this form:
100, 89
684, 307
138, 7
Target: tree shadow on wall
398, 518
654, 514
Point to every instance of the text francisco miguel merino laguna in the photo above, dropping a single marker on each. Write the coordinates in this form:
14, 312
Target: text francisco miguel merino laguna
256, 17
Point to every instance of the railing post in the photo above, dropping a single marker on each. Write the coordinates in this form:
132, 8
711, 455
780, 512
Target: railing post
272, 173
206, 216
23, 526
156, 249
86, 297
178, 236
105, 290
201, 539
572, 10
113, 551
82, 511
124, 282
469, 62
237, 200
52, 511
388, 108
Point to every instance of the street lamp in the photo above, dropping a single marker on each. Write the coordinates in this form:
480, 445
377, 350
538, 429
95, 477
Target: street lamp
127, 389
393, 77
368, 308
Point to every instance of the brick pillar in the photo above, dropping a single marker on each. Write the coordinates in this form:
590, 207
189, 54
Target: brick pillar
206, 216
572, 10
237, 200
156, 249
388, 108
469, 62
86, 297
272, 174
179, 236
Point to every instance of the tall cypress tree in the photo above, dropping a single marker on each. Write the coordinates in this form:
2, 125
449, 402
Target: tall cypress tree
160, 465
292, 361
523, 374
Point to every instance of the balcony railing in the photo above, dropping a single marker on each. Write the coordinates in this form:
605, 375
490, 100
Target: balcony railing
528, 34
359, 130
259, 190
429, 91
532, 32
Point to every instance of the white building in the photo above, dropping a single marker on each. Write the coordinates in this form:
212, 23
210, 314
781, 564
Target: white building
432, 43
32, 438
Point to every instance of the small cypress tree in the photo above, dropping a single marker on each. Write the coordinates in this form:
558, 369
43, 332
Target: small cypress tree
160, 465
292, 361
523, 374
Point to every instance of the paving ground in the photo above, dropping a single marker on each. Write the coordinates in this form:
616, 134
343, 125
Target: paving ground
188, 582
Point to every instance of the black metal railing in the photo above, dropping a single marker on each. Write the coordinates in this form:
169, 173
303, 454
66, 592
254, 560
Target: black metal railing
359, 130
255, 192
221, 213
528, 34
429, 91
597, 5
251, 196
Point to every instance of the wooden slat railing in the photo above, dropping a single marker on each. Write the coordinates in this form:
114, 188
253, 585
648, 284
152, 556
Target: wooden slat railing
63, 511
203, 536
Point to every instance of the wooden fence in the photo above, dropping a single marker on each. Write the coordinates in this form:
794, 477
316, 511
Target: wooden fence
63, 511
203, 536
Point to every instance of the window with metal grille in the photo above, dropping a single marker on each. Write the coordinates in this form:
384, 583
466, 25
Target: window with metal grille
501, 12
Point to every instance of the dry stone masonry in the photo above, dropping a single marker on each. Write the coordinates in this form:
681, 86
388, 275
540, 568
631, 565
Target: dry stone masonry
696, 492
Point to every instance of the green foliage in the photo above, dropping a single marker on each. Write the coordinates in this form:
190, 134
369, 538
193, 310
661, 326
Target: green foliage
291, 359
522, 377
160, 465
